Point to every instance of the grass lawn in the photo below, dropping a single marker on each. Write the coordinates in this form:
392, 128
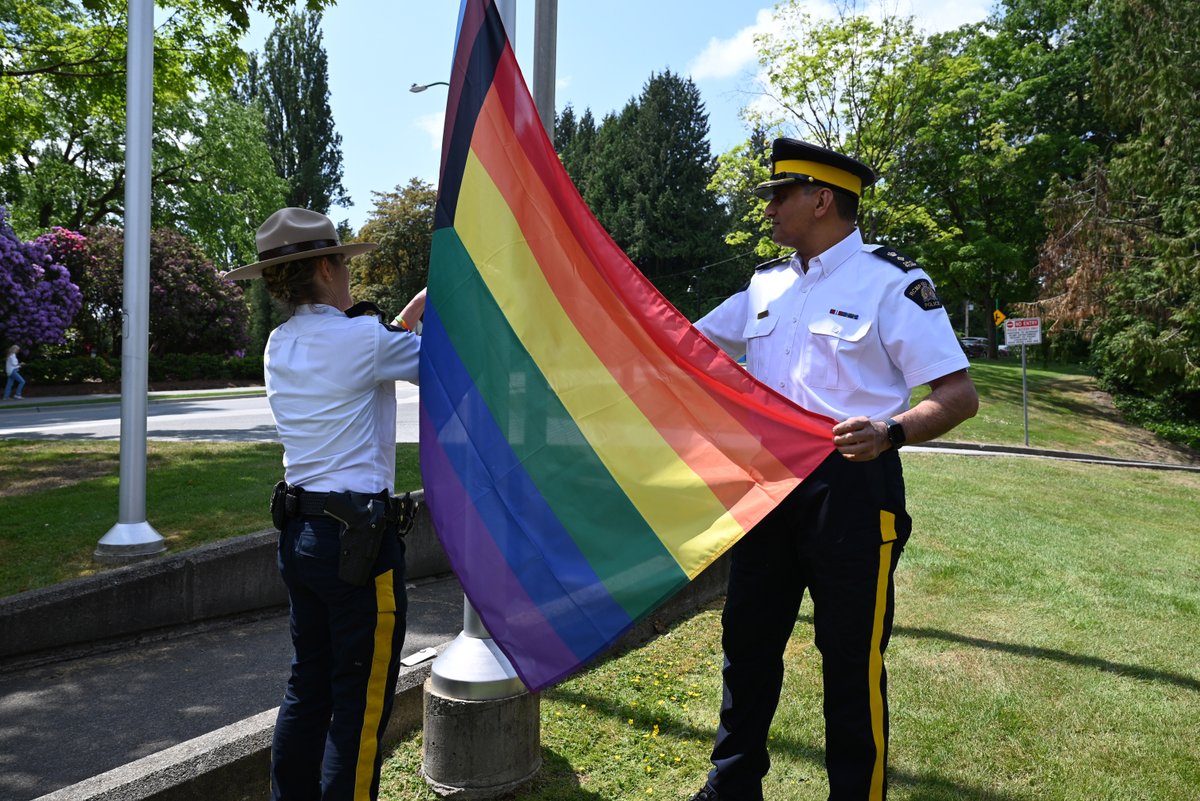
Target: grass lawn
1044, 649
58, 498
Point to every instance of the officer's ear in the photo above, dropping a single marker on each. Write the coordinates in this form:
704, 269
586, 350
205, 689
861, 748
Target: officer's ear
823, 203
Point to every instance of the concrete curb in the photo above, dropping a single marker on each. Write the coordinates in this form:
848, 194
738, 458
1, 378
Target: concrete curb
231, 763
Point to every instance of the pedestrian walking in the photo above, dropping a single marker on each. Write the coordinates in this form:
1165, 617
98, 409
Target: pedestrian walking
12, 371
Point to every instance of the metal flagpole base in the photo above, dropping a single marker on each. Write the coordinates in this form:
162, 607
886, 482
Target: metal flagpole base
129, 542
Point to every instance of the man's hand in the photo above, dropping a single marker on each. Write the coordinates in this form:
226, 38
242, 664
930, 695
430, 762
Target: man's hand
859, 439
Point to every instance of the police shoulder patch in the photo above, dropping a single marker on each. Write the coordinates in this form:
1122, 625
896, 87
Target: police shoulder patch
766, 265
895, 257
922, 293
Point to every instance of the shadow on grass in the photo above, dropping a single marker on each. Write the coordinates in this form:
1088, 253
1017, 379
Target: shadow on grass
927, 787
1052, 654
1035, 652
556, 780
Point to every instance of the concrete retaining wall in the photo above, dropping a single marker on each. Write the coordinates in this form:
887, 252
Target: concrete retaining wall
218, 580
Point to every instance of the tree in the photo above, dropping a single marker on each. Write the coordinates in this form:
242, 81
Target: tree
192, 309
846, 84
574, 141
223, 184
645, 177
1120, 263
62, 100
291, 87
402, 224
37, 299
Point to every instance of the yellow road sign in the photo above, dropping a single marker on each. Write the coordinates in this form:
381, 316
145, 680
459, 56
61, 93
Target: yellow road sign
998, 316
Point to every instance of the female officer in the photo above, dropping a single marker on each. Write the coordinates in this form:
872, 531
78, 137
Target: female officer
330, 381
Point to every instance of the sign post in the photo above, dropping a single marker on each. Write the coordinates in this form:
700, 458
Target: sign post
1023, 331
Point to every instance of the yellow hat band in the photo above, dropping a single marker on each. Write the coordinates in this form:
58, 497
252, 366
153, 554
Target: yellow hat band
822, 172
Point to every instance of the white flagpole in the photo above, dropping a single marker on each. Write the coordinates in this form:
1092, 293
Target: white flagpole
133, 537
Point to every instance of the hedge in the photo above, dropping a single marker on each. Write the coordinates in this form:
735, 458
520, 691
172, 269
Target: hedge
168, 367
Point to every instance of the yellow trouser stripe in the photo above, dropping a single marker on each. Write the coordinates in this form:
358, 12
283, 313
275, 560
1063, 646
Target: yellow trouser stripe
887, 532
385, 624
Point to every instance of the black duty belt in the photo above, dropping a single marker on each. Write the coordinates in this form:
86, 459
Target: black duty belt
400, 510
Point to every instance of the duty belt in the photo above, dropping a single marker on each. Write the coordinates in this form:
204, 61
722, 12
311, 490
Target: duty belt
400, 510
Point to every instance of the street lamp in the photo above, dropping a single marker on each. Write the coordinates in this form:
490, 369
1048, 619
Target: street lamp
421, 87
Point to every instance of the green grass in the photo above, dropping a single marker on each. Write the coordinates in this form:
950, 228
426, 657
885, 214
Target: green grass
1044, 649
58, 498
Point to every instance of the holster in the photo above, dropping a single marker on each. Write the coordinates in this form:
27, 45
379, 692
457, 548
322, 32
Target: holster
364, 520
279, 512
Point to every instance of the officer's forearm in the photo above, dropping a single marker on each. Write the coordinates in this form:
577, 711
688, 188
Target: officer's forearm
952, 400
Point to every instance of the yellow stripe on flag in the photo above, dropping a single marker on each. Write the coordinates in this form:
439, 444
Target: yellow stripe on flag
666, 491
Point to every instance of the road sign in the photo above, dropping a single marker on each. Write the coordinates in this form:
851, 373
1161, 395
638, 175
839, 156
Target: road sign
998, 317
1023, 331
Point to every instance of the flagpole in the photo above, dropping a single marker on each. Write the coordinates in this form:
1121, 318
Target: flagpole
133, 538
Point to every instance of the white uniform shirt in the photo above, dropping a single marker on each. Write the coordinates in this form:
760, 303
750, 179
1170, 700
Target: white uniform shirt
843, 339
331, 385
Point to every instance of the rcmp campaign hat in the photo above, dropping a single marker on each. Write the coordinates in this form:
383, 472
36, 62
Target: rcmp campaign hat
793, 161
290, 234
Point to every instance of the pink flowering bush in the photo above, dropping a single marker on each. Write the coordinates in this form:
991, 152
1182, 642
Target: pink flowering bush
38, 300
192, 308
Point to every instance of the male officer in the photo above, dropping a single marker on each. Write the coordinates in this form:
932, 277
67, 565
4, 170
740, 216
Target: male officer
845, 330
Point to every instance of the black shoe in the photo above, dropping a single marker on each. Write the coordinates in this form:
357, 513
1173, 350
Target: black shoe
707, 794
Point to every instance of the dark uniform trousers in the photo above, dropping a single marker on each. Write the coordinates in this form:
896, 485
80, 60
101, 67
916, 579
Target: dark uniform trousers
347, 641
839, 535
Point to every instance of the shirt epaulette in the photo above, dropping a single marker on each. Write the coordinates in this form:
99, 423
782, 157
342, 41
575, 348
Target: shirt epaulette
775, 261
895, 257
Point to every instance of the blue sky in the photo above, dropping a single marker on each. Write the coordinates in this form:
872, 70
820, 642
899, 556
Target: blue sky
606, 51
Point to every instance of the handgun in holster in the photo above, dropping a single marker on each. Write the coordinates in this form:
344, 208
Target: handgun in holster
364, 521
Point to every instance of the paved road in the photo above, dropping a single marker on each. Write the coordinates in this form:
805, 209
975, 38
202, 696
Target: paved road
214, 416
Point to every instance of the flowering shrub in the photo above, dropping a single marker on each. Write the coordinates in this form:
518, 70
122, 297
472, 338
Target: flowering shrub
192, 309
38, 300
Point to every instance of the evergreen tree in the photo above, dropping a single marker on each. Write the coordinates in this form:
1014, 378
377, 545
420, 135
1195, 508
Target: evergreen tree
645, 172
291, 85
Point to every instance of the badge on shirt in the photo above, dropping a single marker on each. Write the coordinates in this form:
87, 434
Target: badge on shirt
922, 293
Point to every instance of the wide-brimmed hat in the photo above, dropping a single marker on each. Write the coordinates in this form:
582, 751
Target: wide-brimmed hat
290, 234
794, 162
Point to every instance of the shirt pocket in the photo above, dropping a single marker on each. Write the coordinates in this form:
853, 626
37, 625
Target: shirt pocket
832, 353
756, 333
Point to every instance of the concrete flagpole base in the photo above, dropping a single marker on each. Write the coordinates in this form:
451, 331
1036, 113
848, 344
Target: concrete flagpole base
480, 749
482, 727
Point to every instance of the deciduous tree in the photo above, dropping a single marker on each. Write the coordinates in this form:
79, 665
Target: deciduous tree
402, 224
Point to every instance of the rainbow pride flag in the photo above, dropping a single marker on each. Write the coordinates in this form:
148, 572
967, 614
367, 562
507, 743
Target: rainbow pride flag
585, 452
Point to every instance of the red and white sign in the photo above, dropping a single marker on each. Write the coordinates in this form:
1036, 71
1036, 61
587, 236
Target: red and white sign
1023, 331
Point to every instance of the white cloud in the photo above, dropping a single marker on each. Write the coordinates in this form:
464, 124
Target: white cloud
432, 124
723, 58
562, 83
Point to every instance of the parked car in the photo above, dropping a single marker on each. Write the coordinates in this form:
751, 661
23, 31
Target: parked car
974, 347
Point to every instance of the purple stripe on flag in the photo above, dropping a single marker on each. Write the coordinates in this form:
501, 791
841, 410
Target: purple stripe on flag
493, 589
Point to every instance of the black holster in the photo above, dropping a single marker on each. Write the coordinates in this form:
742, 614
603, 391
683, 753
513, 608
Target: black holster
364, 521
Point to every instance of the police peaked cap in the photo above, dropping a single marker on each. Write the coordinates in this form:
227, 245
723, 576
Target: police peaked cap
793, 162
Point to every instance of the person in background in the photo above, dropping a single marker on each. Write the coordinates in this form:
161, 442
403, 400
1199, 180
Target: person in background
12, 369
330, 377
845, 330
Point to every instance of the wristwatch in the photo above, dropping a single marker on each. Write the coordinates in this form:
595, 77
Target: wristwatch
895, 433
